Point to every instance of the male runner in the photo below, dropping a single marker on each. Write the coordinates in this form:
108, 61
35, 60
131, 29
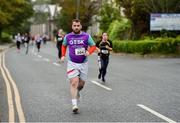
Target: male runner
80, 45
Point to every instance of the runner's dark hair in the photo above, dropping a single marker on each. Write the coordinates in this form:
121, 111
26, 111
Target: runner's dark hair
76, 20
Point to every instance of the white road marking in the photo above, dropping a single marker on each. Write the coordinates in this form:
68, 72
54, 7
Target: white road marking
39, 56
156, 113
56, 64
45, 59
100, 85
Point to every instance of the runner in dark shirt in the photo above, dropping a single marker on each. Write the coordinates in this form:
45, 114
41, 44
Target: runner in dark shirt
104, 47
59, 40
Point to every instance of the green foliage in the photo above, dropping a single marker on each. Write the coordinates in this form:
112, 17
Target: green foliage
138, 11
6, 38
64, 21
119, 29
24, 27
159, 45
165, 33
108, 13
161, 6
87, 10
13, 13
40, 2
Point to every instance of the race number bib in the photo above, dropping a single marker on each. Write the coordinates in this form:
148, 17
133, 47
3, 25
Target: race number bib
104, 51
59, 39
80, 51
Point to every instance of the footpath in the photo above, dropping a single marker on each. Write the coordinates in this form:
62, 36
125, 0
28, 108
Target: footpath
5, 46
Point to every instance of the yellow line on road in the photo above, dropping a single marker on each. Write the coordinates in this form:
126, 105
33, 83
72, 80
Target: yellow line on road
16, 92
9, 94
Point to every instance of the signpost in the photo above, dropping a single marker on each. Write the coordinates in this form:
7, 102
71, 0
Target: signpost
170, 22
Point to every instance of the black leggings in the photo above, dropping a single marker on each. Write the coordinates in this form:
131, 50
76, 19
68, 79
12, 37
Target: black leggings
58, 45
104, 64
38, 44
18, 44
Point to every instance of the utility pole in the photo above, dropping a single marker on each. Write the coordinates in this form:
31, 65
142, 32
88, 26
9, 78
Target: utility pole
77, 8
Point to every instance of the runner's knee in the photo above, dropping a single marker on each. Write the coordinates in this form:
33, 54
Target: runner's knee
81, 84
74, 82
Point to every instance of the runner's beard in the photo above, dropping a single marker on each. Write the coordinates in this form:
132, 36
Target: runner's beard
76, 31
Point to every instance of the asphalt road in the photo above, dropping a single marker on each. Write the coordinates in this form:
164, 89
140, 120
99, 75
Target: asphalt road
136, 89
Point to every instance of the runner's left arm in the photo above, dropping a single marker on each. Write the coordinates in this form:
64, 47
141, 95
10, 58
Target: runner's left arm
109, 47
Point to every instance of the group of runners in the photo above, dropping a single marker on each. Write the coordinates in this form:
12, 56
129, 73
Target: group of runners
26, 39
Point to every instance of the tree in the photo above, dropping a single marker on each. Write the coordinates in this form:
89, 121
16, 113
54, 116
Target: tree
119, 29
108, 13
87, 10
138, 11
25, 13
161, 6
13, 13
134, 11
40, 2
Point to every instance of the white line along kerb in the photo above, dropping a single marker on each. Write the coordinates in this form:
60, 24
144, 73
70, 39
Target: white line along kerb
17, 96
156, 113
100, 85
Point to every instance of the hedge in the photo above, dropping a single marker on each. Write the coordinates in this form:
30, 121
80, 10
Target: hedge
159, 45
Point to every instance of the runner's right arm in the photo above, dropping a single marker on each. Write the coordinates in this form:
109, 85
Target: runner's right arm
63, 48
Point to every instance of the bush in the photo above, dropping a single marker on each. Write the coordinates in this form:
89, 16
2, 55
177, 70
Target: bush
159, 45
6, 38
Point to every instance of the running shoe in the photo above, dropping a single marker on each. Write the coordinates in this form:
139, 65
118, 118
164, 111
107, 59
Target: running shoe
99, 76
75, 109
103, 79
59, 61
